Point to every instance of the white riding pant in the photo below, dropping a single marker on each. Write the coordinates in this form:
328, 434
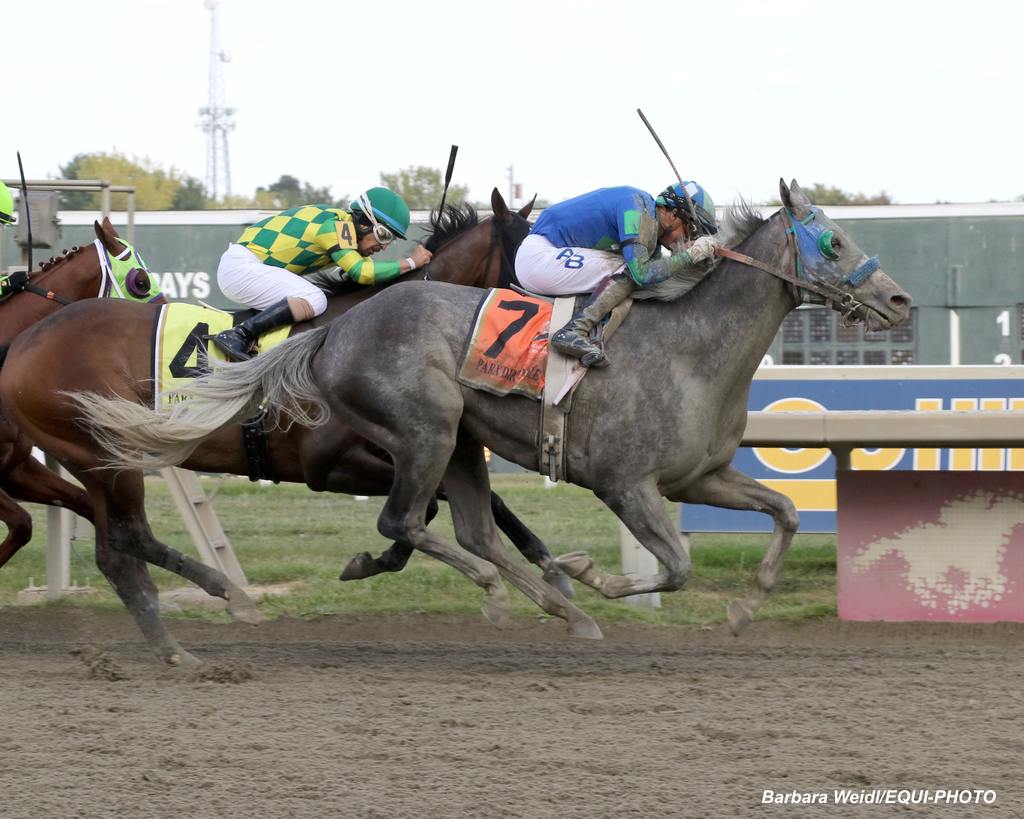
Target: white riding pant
245, 279
560, 271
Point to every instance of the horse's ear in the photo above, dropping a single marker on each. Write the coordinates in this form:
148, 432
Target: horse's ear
524, 211
105, 233
499, 208
794, 199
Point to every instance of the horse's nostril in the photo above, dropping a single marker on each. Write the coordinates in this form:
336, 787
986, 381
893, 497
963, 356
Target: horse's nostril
900, 300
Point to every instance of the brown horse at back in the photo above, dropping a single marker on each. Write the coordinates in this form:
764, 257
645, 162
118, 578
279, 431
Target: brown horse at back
75, 275
51, 360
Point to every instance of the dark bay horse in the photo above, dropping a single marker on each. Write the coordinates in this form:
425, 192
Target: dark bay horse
49, 362
76, 274
664, 420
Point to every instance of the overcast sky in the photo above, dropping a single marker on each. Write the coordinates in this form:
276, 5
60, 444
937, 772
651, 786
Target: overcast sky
921, 99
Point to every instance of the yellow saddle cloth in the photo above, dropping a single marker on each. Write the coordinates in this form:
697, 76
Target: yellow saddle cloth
182, 351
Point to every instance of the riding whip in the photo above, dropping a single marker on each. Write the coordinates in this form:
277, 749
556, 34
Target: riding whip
448, 177
689, 202
28, 217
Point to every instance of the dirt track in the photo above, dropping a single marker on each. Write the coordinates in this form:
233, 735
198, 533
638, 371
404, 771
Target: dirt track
410, 716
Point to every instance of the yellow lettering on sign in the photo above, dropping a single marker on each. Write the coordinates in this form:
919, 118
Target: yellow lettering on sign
792, 460
992, 459
927, 459
875, 458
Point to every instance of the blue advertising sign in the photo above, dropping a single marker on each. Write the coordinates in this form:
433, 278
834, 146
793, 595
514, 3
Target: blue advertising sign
808, 475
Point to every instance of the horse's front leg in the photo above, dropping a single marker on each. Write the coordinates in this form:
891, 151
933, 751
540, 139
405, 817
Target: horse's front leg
731, 489
642, 509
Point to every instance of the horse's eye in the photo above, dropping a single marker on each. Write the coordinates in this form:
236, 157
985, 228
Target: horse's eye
829, 245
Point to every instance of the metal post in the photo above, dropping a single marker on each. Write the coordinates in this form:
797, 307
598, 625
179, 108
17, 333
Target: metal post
105, 199
131, 217
58, 544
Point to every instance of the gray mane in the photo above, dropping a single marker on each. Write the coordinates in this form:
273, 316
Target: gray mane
741, 221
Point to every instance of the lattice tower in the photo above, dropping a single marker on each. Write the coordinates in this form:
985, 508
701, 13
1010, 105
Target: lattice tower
216, 119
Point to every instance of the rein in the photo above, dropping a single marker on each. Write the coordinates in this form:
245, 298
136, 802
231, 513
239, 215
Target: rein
834, 297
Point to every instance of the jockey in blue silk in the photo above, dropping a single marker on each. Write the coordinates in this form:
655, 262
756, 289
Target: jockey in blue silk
606, 243
278, 264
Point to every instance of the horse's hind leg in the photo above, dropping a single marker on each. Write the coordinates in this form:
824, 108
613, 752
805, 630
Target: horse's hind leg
19, 527
732, 489
403, 519
642, 509
392, 559
468, 488
530, 546
31, 481
128, 532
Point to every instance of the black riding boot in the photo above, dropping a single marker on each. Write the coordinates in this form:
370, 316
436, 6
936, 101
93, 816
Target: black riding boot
574, 339
237, 342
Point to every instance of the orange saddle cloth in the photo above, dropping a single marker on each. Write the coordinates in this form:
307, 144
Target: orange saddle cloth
507, 349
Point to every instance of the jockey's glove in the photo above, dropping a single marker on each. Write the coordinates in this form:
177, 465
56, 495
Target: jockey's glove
703, 248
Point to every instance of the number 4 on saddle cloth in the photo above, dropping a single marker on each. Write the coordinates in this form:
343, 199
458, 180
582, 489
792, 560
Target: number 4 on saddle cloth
181, 347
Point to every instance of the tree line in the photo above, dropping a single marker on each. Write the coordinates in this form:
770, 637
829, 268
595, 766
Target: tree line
157, 188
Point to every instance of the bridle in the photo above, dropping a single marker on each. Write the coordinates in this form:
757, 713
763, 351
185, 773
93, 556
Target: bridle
803, 281
20, 281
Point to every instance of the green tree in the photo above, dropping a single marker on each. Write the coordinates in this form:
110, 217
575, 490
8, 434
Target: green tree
421, 187
191, 196
155, 188
287, 192
821, 194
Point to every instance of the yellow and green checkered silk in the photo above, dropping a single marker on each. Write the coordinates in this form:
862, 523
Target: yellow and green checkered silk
305, 238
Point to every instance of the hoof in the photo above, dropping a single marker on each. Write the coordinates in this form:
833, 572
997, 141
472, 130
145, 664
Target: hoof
574, 564
495, 614
359, 567
242, 608
739, 616
557, 579
183, 659
585, 628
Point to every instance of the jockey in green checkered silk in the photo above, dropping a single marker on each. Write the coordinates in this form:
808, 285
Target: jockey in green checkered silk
268, 267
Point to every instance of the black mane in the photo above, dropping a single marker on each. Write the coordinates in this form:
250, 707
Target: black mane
447, 225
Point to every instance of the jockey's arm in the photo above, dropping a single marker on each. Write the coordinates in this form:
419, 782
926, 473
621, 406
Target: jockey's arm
646, 269
341, 245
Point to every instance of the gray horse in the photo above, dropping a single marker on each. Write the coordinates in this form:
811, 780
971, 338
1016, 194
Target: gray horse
664, 420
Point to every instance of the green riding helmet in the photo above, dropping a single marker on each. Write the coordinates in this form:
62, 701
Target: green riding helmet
388, 209
6, 205
672, 197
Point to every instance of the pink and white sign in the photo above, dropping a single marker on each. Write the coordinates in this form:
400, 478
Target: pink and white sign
931, 546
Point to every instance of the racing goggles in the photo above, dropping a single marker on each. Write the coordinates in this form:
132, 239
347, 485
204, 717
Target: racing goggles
382, 233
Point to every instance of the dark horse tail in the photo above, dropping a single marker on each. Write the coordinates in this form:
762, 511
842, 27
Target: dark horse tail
279, 382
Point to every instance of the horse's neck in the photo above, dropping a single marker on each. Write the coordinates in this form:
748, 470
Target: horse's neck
74, 277
730, 320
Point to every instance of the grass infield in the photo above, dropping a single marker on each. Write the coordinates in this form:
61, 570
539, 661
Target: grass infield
287, 533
